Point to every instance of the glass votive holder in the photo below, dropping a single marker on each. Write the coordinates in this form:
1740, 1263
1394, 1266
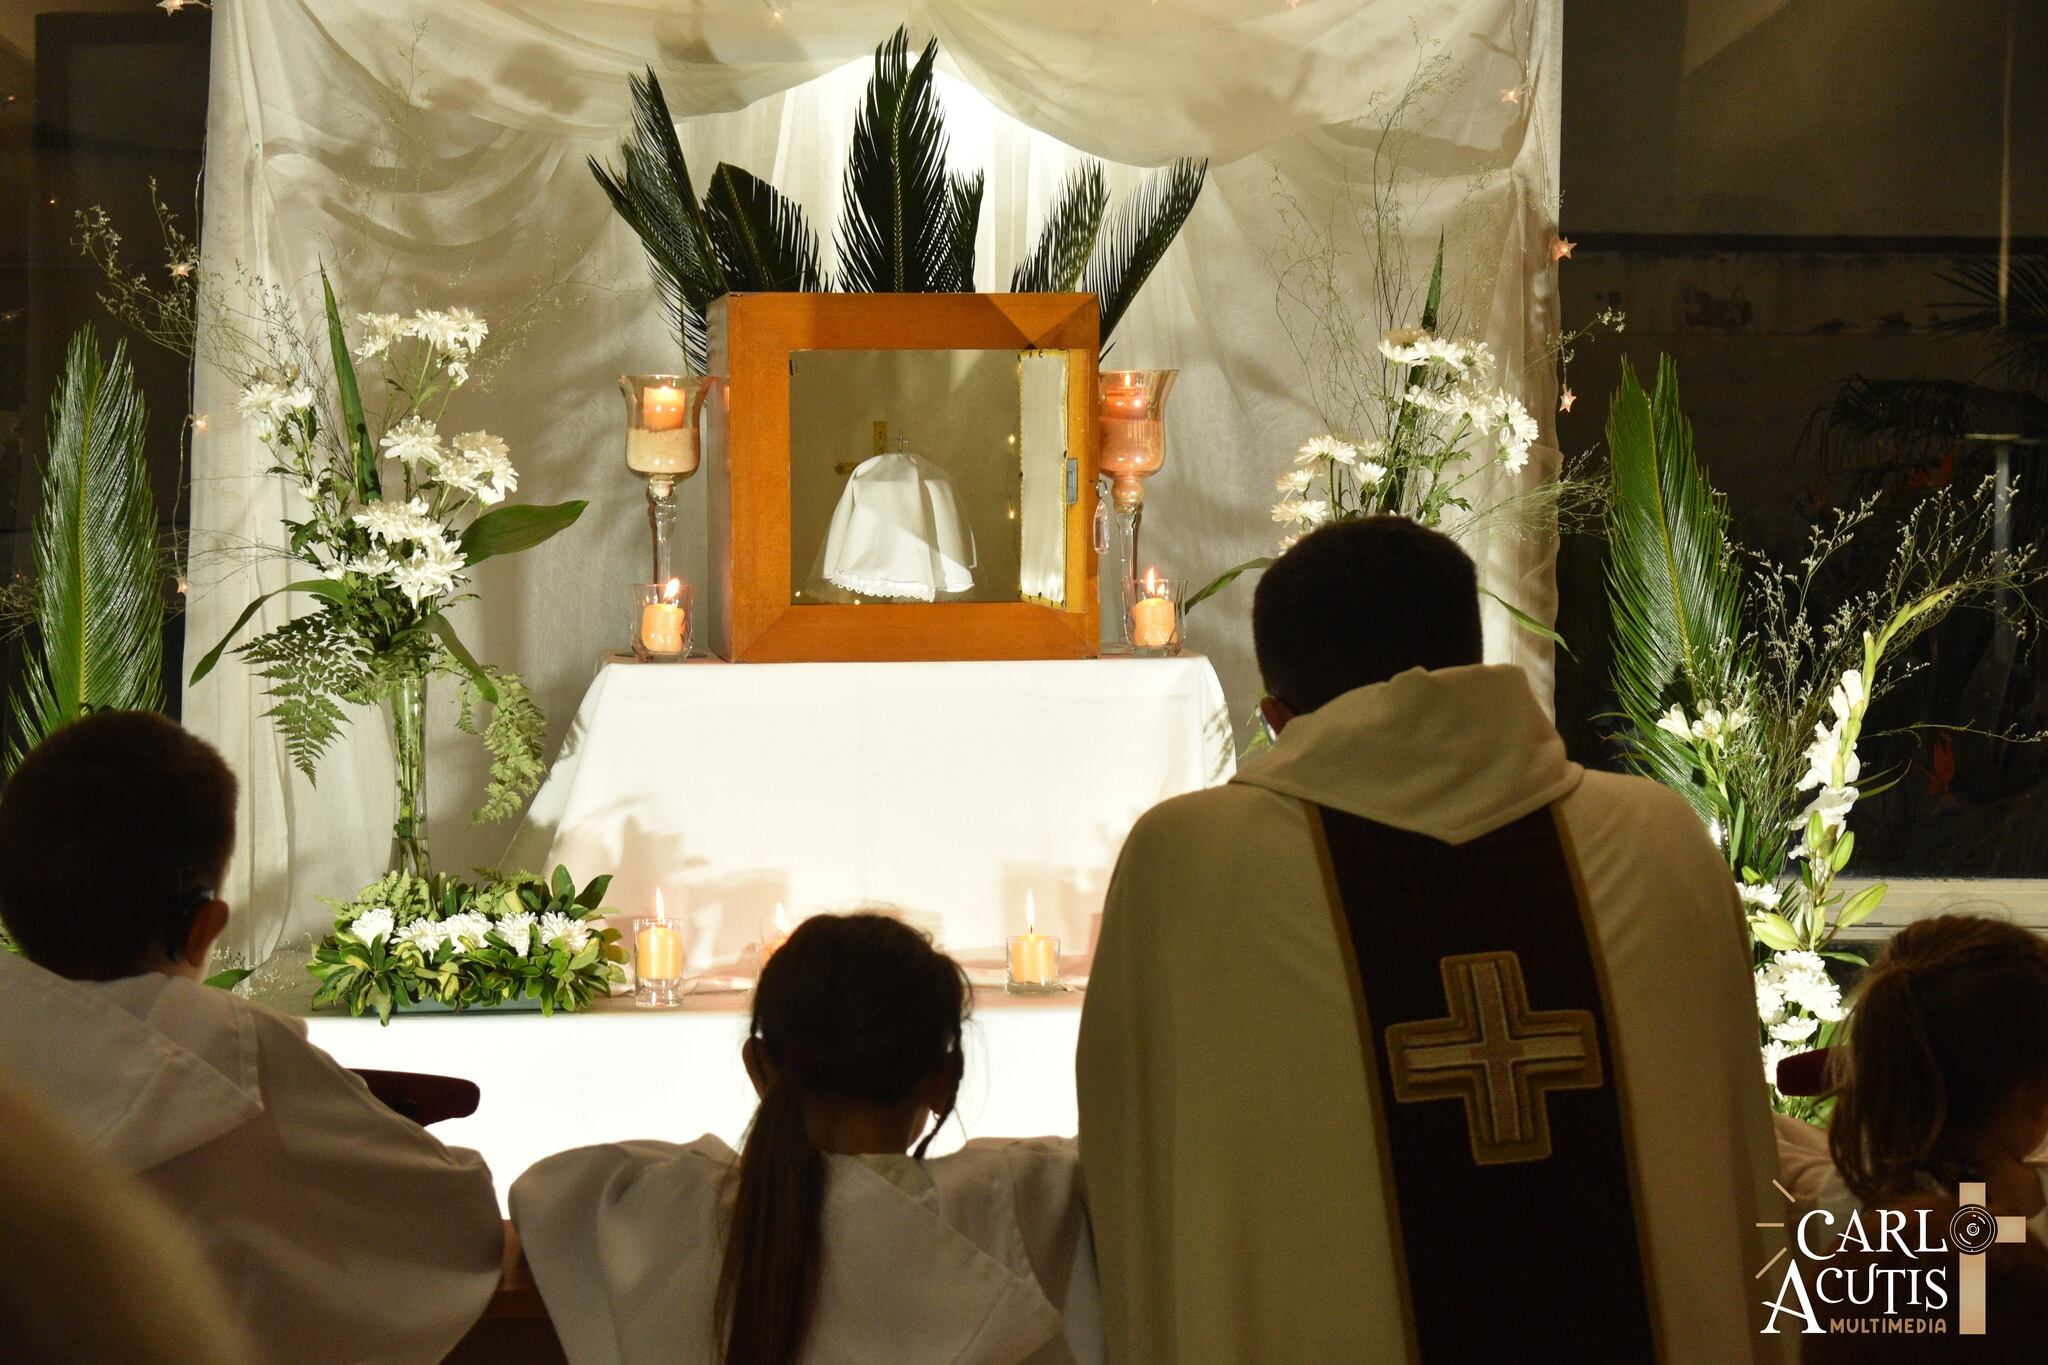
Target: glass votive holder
1034, 965
661, 621
657, 964
1152, 612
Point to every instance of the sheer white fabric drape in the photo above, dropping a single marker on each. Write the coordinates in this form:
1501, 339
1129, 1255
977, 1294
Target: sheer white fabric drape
432, 152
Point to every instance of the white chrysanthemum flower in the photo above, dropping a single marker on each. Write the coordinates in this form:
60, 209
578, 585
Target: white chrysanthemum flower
430, 571
467, 929
517, 930
1370, 472
1289, 542
392, 522
1325, 447
412, 441
432, 326
299, 397
1295, 480
1775, 1052
266, 403
379, 331
427, 935
481, 464
1770, 1001
1283, 512
1407, 346
465, 330
376, 564
1312, 511
1673, 722
1795, 1029
457, 372
558, 930
375, 923
1761, 896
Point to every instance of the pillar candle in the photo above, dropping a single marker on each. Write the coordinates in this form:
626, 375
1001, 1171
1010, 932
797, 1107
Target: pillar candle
663, 408
661, 627
660, 952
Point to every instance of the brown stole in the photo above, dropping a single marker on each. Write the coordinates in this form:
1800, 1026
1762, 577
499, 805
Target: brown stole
1503, 1147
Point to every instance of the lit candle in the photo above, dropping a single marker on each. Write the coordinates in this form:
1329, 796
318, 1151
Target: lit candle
1152, 616
1034, 957
663, 408
661, 623
776, 937
658, 946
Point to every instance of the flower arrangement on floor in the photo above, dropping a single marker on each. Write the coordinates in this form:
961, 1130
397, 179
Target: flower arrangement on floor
406, 940
1744, 698
398, 515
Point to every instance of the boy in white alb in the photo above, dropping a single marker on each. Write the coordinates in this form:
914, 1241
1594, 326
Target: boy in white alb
340, 1231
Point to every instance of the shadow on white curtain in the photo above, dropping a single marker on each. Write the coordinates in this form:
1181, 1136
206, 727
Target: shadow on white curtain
433, 154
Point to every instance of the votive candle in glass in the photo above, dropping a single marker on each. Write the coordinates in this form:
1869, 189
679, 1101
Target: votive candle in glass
661, 631
657, 961
1034, 958
1152, 614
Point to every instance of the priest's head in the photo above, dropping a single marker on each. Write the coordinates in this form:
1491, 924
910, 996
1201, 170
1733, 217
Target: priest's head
114, 833
1356, 603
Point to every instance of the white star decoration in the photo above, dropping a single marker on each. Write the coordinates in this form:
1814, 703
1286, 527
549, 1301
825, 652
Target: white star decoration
1511, 95
1566, 399
1560, 249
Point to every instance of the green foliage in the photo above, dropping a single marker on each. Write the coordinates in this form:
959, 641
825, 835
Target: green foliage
355, 425
897, 231
1136, 239
1674, 579
515, 736
760, 234
1068, 238
505, 939
313, 665
99, 607
519, 526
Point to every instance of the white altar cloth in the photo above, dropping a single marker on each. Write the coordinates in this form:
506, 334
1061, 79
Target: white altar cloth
948, 789
617, 1072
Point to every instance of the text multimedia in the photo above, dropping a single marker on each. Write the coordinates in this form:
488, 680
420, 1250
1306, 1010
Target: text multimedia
1811, 1280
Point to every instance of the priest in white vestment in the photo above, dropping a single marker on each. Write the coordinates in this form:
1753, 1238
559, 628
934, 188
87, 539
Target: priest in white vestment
340, 1232
1233, 1129
981, 1256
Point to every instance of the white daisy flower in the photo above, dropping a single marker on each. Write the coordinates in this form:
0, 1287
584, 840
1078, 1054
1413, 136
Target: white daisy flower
379, 331
412, 441
1371, 472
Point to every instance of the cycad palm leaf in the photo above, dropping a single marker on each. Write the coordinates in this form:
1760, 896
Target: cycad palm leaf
966, 216
1068, 238
1138, 236
760, 235
1673, 583
99, 603
896, 229
656, 198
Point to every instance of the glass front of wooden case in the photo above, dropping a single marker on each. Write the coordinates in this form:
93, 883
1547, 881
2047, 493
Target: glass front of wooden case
903, 477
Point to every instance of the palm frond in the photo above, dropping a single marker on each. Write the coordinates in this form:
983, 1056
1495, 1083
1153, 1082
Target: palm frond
1673, 583
99, 600
966, 220
895, 230
760, 235
2018, 320
655, 196
1068, 238
1138, 236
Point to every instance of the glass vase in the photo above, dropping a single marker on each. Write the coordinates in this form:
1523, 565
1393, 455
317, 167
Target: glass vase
1133, 447
408, 708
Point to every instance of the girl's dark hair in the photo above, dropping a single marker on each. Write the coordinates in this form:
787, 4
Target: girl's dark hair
861, 1006
1947, 1027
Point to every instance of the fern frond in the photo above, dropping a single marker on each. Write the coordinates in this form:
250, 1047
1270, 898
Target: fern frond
1137, 238
1068, 238
516, 738
313, 664
760, 235
655, 196
99, 610
896, 226
1673, 580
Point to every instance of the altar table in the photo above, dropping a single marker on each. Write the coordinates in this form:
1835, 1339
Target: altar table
949, 790
617, 1072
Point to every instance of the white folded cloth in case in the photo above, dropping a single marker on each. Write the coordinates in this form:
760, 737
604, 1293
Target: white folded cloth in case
898, 532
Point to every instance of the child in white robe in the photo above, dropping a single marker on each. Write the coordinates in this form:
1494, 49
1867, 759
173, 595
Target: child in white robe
822, 1242
339, 1231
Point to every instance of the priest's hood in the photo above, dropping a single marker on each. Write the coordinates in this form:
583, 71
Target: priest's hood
1451, 753
145, 1068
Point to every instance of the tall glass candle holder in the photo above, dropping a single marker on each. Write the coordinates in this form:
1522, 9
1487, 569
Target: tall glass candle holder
1133, 447
661, 447
661, 621
657, 964
1152, 614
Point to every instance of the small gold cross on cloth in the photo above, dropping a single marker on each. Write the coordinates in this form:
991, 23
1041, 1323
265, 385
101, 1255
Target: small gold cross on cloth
1496, 1055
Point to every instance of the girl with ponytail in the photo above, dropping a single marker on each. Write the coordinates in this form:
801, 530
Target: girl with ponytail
1942, 1081
830, 1236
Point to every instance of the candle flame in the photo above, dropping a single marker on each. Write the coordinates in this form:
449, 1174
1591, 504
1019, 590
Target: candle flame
671, 589
1030, 913
1152, 582
660, 911
782, 924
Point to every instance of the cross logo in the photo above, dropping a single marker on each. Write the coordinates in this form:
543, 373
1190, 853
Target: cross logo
1497, 1056
1973, 1230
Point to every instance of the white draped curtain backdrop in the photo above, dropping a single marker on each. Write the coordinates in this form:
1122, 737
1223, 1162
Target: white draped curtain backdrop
432, 153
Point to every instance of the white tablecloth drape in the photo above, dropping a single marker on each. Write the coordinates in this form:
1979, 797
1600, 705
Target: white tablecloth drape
617, 1072
950, 790
431, 153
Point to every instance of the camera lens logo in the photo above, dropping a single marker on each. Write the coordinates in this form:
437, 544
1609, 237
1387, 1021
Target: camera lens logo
1973, 1230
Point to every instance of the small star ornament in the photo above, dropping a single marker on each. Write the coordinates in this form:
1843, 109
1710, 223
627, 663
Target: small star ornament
1566, 399
1560, 249
1511, 95
181, 269
199, 421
